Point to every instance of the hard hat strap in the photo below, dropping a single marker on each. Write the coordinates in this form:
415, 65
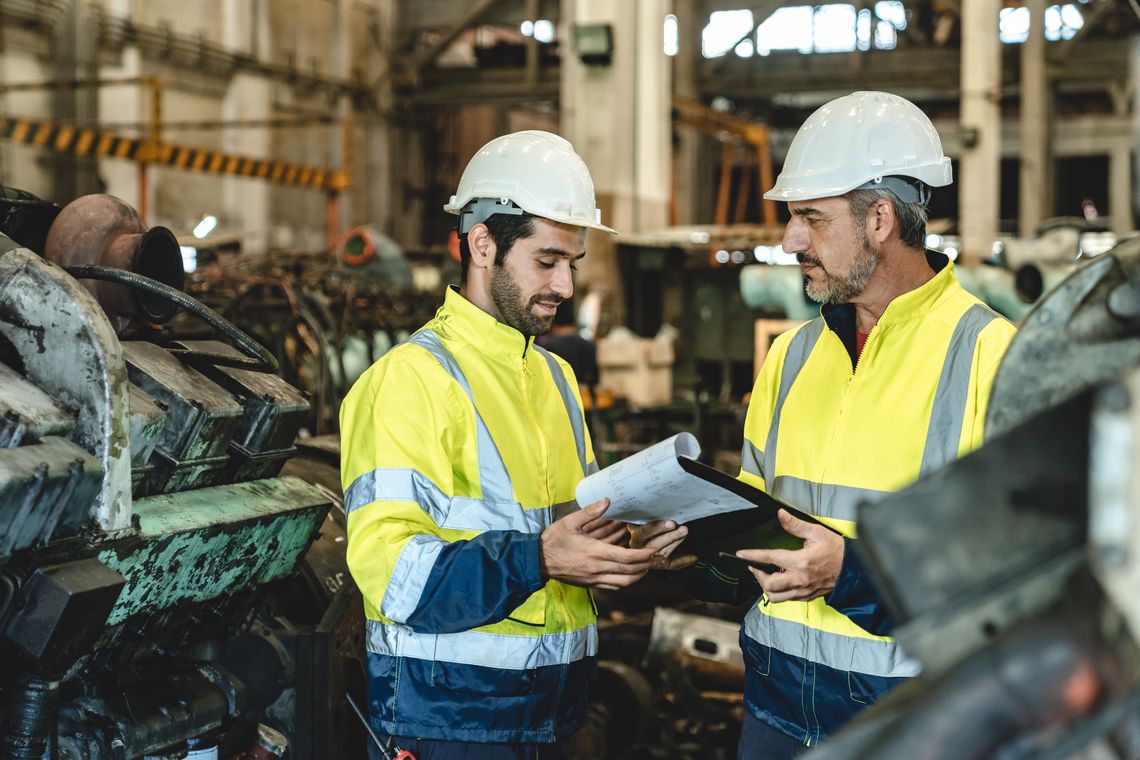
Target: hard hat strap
907, 191
481, 209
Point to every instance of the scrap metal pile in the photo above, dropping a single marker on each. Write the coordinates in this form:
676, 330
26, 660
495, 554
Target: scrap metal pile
160, 588
324, 321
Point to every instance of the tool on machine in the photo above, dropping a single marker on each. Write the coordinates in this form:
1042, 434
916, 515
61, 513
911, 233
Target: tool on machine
388, 753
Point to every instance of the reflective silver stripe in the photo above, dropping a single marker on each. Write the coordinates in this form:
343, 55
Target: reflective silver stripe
411, 572
823, 499
751, 459
577, 420
794, 360
873, 657
949, 410
493, 477
592, 467
455, 512
491, 650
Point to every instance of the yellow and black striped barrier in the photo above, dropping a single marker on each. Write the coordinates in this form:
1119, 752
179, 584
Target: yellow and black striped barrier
87, 141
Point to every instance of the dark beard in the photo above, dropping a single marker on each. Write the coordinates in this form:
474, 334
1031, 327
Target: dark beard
508, 299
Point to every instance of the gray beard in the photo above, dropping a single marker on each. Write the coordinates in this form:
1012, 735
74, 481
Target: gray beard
836, 289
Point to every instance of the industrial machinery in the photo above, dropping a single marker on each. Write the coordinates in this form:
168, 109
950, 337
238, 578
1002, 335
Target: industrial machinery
162, 586
1011, 574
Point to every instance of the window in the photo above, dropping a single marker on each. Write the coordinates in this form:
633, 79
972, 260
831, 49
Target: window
723, 31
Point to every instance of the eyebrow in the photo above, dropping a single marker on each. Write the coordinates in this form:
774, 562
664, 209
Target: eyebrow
559, 252
809, 211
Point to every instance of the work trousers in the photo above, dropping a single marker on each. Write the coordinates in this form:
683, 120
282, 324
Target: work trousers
759, 741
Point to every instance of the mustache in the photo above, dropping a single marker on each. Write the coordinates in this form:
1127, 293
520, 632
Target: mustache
804, 258
547, 299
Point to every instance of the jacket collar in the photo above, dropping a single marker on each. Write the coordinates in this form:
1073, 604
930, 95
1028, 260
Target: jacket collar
909, 305
913, 304
467, 322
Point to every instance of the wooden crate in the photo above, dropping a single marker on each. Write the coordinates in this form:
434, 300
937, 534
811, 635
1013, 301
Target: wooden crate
766, 332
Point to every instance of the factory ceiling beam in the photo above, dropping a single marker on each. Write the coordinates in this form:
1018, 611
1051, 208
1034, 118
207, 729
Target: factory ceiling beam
416, 15
474, 15
1093, 16
761, 12
1100, 65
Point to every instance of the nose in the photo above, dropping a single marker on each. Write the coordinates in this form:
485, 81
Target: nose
795, 236
562, 282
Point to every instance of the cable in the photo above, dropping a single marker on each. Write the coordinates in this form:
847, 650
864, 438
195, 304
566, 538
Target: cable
260, 359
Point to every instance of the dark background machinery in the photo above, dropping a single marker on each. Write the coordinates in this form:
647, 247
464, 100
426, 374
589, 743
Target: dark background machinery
163, 587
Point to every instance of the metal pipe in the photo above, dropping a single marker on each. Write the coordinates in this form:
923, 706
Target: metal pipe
1044, 674
33, 704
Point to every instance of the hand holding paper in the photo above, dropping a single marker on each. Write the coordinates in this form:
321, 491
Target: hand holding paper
652, 485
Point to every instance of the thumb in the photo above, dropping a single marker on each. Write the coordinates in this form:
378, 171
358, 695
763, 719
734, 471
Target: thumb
587, 513
797, 527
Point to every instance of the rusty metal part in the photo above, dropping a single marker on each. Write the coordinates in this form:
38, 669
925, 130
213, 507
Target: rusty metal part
69, 350
103, 230
707, 648
1082, 333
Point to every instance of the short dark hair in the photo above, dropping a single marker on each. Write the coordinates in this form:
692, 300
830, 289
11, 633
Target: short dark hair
911, 217
506, 230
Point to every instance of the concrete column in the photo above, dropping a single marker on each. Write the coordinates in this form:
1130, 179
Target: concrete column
1134, 86
686, 73
1036, 163
618, 118
246, 202
75, 45
340, 147
124, 104
980, 167
1120, 189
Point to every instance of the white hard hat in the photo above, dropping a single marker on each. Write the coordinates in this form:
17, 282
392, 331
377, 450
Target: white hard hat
860, 140
532, 171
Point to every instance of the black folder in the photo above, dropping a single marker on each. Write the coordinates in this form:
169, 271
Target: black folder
718, 537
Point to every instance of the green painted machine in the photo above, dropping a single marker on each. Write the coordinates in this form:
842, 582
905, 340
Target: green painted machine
162, 587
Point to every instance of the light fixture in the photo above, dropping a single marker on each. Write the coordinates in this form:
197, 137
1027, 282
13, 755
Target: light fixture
594, 43
206, 226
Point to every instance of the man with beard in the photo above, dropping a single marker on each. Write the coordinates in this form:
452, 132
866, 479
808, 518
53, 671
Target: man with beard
461, 450
888, 384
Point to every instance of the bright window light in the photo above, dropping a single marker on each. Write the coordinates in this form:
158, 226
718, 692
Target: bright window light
786, 29
891, 11
206, 226
1013, 25
886, 37
863, 30
723, 30
1062, 22
834, 28
670, 42
544, 30
189, 257
745, 49
527, 28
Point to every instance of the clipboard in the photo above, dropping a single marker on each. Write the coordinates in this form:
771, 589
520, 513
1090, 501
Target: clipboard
715, 539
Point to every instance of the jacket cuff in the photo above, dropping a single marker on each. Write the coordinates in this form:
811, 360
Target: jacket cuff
853, 587
530, 563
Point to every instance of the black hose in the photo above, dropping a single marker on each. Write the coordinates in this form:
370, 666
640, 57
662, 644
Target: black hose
263, 361
30, 719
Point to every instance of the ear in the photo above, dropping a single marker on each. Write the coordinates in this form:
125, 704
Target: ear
482, 246
881, 221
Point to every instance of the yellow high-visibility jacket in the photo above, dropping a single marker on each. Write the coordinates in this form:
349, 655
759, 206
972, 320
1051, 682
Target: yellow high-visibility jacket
456, 449
826, 430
